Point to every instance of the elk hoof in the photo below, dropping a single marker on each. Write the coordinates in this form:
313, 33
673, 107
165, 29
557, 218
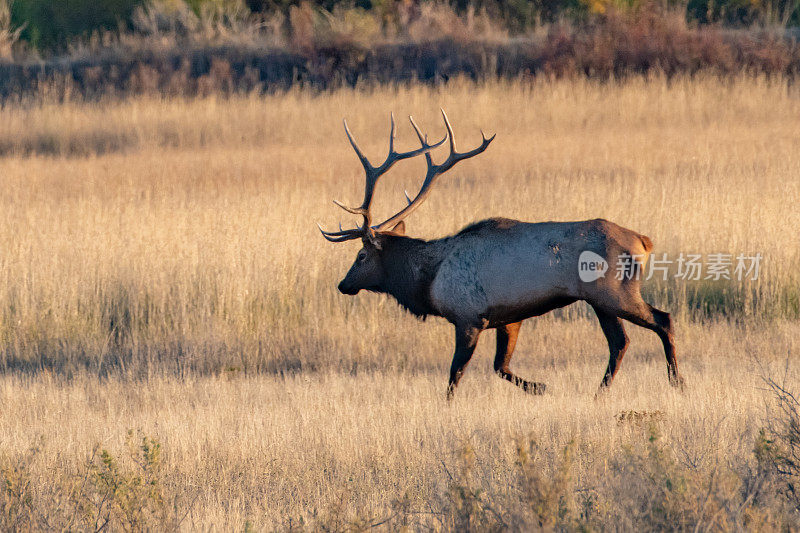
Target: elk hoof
678, 382
532, 387
601, 392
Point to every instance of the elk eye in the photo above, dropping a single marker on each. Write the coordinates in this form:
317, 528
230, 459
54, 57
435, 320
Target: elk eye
361, 257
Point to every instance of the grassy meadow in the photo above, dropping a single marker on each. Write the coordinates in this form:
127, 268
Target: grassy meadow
175, 353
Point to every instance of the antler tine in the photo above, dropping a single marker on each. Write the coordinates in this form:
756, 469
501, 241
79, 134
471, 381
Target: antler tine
450, 134
354, 210
364, 161
423, 139
374, 173
394, 157
392, 133
342, 235
434, 171
456, 156
369, 170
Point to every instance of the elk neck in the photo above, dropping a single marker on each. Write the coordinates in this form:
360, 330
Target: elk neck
410, 265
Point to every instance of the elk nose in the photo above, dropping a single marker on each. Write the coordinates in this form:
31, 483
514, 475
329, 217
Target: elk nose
345, 289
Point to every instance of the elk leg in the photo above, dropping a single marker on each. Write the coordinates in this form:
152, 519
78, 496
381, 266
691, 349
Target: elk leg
617, 344
506, 341
659, 321
466, 340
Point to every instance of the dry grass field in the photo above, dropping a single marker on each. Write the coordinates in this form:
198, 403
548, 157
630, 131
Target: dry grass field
175, 352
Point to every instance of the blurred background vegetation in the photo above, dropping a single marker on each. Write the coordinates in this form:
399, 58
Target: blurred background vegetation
91, 48
49, 26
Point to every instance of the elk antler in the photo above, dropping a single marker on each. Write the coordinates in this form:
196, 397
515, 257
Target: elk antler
373, 173
434, 171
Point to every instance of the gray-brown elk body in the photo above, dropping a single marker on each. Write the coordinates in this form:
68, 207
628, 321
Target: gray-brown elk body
498, 272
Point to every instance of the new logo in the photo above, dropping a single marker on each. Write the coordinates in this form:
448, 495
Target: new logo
591, 266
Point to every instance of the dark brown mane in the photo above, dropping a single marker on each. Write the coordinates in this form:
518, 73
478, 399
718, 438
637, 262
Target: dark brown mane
410, 266
489, 224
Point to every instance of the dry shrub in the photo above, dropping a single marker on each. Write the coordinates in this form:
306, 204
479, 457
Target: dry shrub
161, 25
778, 448
350, 27
303, 21
9, 35
219, 79
548, 496
646, 487
144, 79
159, 17
435, 21
103, 493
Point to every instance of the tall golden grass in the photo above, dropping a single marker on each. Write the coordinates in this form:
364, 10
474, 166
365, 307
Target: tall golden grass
145, 233
161, 270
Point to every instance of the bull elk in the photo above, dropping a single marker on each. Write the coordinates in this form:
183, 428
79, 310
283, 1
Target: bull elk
497, 272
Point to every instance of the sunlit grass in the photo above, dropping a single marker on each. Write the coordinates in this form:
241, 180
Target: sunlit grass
174, 242
193, 241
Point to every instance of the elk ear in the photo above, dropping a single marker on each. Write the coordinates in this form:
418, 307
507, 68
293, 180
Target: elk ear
400, 228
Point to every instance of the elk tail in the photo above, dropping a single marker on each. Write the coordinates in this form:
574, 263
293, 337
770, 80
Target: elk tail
640, 256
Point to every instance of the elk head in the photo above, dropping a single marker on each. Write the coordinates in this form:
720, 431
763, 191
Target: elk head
368, 271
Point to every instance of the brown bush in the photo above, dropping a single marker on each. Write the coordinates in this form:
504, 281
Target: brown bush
330, 50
